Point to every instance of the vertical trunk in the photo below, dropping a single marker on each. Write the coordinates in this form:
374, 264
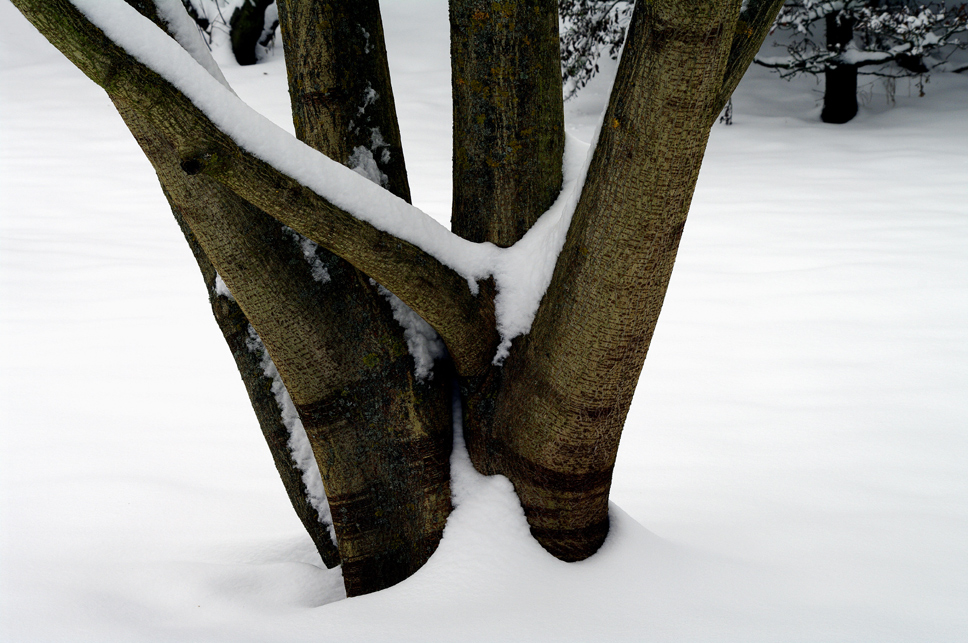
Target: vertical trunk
382, 436
569, 382
246, 26
840, 94
508, 116
840, 81
508, 146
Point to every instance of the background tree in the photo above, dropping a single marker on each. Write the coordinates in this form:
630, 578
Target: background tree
301, 252
250, 24
888, 38
590, 28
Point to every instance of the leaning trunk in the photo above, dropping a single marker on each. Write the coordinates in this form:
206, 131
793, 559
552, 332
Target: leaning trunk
569, 383
382, 433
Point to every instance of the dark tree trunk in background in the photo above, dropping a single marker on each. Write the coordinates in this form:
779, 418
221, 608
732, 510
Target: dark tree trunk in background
840, 81
246, 28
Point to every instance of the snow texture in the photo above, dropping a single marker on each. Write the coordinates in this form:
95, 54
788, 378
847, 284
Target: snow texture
222, 288
423, 342
794, 465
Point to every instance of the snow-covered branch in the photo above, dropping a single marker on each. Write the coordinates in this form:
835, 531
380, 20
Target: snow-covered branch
216, 134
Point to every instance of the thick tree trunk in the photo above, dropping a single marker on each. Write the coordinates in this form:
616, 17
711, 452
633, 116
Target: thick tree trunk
840, 81
390, 503
569, 383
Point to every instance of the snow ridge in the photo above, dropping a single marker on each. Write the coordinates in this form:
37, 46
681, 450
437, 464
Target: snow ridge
302, 452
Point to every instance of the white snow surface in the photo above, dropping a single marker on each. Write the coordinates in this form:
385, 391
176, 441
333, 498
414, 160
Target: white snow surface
423, 342
794, 466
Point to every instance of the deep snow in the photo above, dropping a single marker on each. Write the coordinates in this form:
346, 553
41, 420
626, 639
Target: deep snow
794, 467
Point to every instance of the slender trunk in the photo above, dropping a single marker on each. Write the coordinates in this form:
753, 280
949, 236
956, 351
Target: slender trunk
237, 332
508, 147
235, 329
840, 81
508, 116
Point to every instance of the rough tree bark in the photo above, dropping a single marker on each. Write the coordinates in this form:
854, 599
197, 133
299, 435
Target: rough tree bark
551, 415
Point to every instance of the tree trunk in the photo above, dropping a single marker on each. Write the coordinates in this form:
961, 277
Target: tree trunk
840, 80
509, 132
550, 418
569, 383
246, 26
383, 438
237, 332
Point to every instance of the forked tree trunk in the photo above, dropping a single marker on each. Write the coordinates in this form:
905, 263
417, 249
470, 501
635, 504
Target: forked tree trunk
550, 417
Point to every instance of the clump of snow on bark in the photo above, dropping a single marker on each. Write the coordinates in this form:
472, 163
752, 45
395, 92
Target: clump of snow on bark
309, 248
320, 273
302, 452
423, 342
221, 289
363, 163
370, 96
377, 143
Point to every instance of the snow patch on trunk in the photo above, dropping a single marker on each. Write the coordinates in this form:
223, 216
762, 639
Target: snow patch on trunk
363, 163
222, 289
302, 451
423, 342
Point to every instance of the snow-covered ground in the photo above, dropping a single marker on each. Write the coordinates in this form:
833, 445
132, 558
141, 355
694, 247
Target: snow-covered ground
794, 468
